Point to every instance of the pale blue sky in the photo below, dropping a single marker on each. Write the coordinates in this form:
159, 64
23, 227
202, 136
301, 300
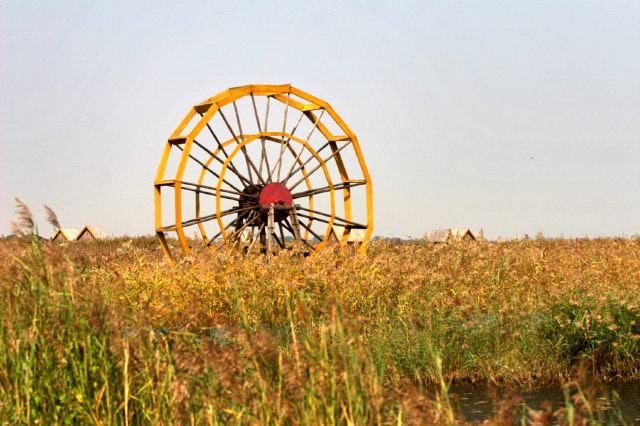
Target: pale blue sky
513, 116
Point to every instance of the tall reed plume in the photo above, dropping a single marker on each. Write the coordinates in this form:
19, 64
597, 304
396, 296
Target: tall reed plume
24, 223
52, 218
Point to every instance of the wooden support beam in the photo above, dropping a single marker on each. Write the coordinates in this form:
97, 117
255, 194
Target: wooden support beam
270, 223
293, 215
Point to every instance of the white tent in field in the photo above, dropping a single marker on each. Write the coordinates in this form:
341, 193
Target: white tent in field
89, 233
65, 234
337, 232
450, 234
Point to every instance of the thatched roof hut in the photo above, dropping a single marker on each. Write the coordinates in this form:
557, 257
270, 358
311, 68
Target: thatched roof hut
65, 234
89, 233
450, 234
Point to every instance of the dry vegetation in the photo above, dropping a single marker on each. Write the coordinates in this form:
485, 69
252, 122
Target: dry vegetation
109, 332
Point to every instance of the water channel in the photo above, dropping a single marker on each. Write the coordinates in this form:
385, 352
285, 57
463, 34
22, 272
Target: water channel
478, 403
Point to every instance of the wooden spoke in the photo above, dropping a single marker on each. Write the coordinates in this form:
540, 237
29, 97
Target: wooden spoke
263, 152
344, 222
319, 219
350, 225
293, 131
221, 190
280, 227
231, 166
266, 117
239, 231
336, 187
214, 216
196, 221
284, 127
266, 124
250, 164
285, 145
280, 243
308, 228
224, 151
210, 171
200, 191
235, 110
315, 125
233, 222
256, 237
233, 134
255, 111
279, 161
237, 210
324, 161
297, 157
286, 224
286, 111
304, 163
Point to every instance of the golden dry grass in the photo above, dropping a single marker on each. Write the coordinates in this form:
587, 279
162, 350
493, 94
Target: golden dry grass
326, 339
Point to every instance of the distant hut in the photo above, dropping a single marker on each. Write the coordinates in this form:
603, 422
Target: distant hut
356, 236
438, 236
65, 234
451, 234
90, 233
462, 234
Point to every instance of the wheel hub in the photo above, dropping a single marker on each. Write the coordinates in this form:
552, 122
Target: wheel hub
277, 194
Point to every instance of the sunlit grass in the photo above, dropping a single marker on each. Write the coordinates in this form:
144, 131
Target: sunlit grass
110, 332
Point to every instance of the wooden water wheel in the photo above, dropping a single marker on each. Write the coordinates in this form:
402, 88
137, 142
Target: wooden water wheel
263, 168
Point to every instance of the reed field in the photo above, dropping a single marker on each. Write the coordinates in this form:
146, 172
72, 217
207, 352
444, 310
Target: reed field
109, 332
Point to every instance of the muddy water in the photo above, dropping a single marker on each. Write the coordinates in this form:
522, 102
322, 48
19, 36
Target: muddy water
477, 402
